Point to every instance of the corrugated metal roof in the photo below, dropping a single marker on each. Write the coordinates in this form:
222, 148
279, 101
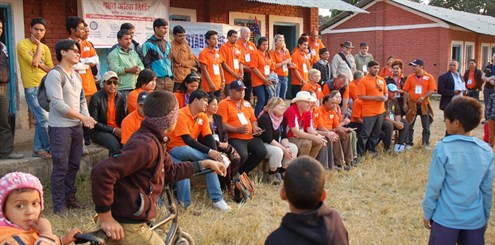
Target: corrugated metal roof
324, 4
482, 24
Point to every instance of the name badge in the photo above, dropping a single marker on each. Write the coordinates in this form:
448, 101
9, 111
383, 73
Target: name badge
215, 136
331, 116
236, 64
267, 70
319, 90
247, 57
200, 121
284, 68
397, 95
313, 52
216, 69
242, 118
418, 89
470, 82
391, 116
305, 68
426, 78
365, 68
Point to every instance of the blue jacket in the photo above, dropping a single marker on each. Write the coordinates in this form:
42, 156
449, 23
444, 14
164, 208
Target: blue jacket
156, 56
460, 182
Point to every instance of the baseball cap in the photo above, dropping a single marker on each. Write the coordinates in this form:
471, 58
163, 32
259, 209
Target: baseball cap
141, 97
392, 87
237, 85
417, 62
109, 74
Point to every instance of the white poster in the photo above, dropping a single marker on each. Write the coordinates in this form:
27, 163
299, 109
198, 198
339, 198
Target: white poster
105, 17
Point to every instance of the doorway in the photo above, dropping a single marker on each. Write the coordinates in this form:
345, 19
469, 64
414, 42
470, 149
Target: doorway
290, 34
7, 38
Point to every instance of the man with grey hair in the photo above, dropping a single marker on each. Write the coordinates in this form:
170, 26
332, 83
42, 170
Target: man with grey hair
451, 85
247, 50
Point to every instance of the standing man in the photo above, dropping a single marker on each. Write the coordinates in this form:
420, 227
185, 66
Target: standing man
183, 59
247, 49
489, 78
324, 66
35, 60
134, 44
125, 62
418, 88
472, 78
372, 90
363, 58
157, 55
7, 142
315, 45
210, 61
108, 108
232, 60
450, 85
68, 110
343, 62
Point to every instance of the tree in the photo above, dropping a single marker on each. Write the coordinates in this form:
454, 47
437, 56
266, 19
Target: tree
484, 7
323, 19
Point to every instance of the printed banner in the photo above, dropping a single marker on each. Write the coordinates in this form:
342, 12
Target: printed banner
105, 17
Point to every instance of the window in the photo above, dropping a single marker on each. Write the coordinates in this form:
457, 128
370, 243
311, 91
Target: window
252, 25
249, 20
485, 55
182, 14
174, 17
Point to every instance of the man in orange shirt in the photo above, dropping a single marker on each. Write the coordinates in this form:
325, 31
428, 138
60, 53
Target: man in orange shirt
184, 146
418, 88
247, 49
353, 85
315, 44
107, 107
473, 80
300, 66
231, 60
212, 77
241, 124
372, 90
132, 122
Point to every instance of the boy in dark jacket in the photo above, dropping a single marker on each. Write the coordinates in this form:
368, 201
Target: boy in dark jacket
309, 220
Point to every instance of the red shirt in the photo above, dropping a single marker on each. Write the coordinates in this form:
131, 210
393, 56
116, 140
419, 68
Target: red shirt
297, 120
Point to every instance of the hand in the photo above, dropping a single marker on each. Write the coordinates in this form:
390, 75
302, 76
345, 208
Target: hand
332, 136
384, 98
238, 77
223, 144
406, 108
134, 70
398, 125
212, 87
35, 40
88, 122
69, 237
427, 223
222, 85
215, 155
117, 132
346, 120
43, 226
288, 153
215, 166
111, 227
320, 139
420, 101
256, 130
242, 129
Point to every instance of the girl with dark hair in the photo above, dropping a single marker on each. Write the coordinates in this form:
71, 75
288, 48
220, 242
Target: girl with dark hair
262, 66
146, 82
190, 84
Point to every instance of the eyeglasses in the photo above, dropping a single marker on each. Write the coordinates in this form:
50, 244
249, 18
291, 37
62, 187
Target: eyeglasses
114, 82
75, 50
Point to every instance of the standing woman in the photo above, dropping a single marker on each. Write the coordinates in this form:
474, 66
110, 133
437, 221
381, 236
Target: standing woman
300, 66
281, 58
190, 83
386, 71
261, 67
146, 82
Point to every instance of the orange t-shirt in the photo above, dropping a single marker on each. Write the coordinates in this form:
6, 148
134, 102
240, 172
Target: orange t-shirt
232, 56
111, 112
369, 86
353, 89
357, 110
329, 119
417, 87
88, 81
264, 64
326, 90
315, 50
130, 124
181, 99
385, 72
302, 66
316, 118
279, 57
247, 51
473, 82
187, 124
232, 115
132, 99
213, 61
315, 88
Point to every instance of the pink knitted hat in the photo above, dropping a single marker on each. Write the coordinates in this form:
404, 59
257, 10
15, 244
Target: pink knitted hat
14, 181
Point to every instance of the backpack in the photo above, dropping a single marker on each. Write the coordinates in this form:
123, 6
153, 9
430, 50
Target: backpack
243, 189
42, 96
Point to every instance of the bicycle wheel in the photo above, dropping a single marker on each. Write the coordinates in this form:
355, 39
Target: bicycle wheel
184, 238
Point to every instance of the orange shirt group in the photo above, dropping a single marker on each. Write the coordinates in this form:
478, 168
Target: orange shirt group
237, 116
130, 124
132, 99
328, 119
316, 88
279, 57
247, 51
419, 86
213, 61
302, 66
188, 125
372, 86
232, 56
315, 45
265, 66
88, 81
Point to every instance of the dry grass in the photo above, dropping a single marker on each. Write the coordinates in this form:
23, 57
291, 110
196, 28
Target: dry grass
380, 203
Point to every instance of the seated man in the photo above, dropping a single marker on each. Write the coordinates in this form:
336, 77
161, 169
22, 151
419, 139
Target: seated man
107, 107
241, 124
301, 133
393, 120
329, 118
184, 146
131, 122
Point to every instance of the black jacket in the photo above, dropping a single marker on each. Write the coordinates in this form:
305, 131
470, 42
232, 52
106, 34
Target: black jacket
477, 78
98, 110
446, 89
326, 72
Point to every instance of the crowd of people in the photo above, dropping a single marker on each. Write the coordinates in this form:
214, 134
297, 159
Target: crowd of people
225, 110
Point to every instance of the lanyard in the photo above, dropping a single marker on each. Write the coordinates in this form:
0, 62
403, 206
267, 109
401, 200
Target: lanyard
186, 99
282, 53
238, 107
419, 80
233, 51
213, 54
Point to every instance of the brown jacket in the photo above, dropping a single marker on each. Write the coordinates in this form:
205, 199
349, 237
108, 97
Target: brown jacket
183, 60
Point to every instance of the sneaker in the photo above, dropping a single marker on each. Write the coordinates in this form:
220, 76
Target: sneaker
398, 148
42, 154
428, 147
272, 179
347, 167
13, 155
60, 212
338, 167
222, 205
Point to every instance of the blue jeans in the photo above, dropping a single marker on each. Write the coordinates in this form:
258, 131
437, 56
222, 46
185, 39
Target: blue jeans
187, 153
261, 94
281, 88
41, 139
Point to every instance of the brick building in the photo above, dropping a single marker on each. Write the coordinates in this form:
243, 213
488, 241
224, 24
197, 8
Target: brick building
409, 30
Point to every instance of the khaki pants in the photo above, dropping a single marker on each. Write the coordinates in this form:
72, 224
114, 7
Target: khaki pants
306, 147
164, 84
138, 234
342, 150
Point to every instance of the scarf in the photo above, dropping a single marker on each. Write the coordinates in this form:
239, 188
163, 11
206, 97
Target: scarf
276, 121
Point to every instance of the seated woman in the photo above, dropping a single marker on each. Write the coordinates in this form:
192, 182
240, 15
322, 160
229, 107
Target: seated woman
190, 83
221, 137
146, 82
279, 150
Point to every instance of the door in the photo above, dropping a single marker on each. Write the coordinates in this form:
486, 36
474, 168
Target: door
7, 38
290, 35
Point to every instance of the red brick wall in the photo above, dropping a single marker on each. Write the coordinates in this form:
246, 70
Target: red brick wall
213, 11
55, 12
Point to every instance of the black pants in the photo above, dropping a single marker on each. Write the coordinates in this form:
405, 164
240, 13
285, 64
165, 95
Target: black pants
295, 89
370, 132
107, 140
388, 130
252, 152
249, 86
7, 142
425, 123
217, 94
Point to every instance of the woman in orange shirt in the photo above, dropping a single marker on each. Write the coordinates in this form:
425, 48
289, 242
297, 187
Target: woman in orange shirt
281, 58
261, 66
314, 76
190, 83
146, 82
386, 71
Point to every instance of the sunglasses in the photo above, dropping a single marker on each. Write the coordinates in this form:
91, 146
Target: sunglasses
378, 87
75, 50
115, 82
